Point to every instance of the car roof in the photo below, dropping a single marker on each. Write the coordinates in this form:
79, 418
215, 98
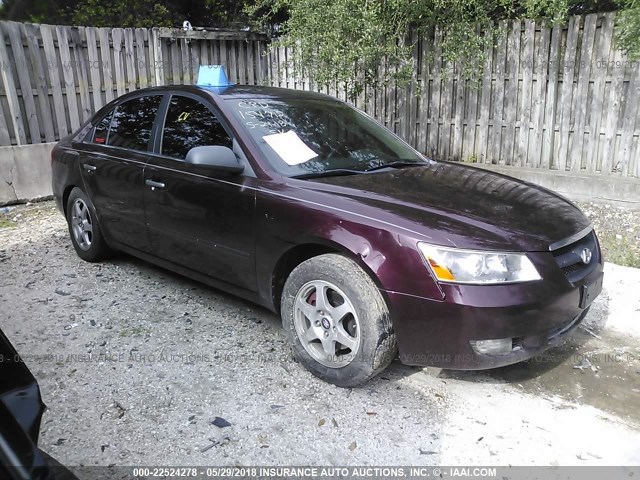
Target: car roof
240, 92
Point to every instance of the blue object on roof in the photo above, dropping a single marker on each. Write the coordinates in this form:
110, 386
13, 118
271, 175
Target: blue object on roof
212, 76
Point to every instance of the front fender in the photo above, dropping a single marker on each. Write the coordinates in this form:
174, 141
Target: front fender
390, 257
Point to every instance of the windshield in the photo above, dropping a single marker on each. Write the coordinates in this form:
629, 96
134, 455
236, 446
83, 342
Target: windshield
312, 136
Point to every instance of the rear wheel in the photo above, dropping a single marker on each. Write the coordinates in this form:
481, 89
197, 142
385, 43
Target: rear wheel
86, 236
337, 320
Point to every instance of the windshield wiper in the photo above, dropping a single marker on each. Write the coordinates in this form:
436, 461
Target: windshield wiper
396, 164
335, 172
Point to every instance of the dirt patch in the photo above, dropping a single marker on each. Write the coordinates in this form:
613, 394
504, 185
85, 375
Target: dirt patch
618, 230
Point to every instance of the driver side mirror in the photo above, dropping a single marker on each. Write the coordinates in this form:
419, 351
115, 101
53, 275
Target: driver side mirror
218, 158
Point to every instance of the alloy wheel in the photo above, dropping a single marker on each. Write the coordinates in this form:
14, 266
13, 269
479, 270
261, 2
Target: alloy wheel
326, 324
81, 224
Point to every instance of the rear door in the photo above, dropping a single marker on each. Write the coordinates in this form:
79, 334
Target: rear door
197, 219
112, 163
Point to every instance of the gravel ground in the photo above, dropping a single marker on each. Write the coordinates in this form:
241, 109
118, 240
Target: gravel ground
618, 230
135, 364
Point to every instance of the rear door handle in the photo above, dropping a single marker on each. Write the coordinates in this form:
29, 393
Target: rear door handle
89, 168
153, 184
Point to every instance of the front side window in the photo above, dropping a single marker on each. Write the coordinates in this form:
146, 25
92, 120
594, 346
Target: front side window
190, 124
132, 122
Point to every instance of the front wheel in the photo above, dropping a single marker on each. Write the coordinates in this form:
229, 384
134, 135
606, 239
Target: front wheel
84, 230
337, 320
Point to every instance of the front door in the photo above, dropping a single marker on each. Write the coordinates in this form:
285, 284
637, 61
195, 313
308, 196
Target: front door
195, 219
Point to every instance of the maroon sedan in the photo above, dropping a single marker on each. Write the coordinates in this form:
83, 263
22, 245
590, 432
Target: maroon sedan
307, 206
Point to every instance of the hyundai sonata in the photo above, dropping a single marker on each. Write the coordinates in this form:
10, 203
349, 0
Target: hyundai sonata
309, 207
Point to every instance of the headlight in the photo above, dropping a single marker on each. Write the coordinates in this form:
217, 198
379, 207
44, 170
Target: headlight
471, 266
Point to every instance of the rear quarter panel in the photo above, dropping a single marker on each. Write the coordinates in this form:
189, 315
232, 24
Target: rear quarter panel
65, 171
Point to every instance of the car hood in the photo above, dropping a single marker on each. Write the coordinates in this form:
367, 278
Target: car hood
462, 206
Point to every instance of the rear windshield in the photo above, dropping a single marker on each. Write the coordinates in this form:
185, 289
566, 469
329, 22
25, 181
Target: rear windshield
300, 136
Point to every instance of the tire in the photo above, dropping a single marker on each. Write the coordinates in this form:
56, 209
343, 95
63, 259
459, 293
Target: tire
328, 300
84, 230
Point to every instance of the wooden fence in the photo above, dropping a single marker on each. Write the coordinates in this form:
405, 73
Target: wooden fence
55, 77
561, 98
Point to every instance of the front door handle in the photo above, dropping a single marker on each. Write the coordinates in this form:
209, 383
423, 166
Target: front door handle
153, 184
89, 168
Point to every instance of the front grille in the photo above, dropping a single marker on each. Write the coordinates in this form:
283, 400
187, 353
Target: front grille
570, 261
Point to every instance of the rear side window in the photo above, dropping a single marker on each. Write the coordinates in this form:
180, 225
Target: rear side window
190, 124
131, 123
102, 130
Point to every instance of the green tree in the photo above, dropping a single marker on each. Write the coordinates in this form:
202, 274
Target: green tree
628, 32
346, 40
144, 13
121, 13
127, 13
53, 12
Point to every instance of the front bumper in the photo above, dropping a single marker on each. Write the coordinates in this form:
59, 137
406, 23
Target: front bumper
535, 315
